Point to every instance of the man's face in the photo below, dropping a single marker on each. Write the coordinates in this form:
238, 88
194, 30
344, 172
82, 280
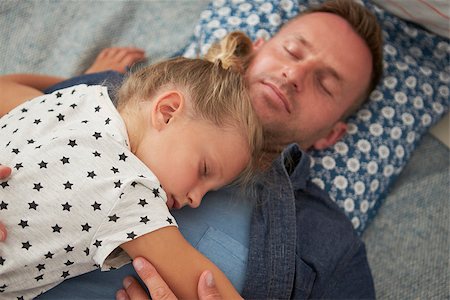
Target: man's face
306, 77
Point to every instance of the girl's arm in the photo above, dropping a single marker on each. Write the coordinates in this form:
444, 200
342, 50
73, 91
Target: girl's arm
14, 93
179, 264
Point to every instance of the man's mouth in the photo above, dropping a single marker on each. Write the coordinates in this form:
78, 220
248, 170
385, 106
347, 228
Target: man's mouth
279, 94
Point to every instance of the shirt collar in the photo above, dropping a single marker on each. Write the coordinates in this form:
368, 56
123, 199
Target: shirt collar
297, 165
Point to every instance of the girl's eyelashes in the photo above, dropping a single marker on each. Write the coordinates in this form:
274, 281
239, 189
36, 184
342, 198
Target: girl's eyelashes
205, 169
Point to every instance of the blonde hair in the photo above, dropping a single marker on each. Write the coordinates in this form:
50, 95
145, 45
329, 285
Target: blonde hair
215, 93
236, 50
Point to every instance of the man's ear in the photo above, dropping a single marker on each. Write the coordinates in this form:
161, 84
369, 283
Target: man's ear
167, 106
258, 43
336, 133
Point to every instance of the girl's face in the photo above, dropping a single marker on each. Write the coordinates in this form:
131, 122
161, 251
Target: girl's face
192, 157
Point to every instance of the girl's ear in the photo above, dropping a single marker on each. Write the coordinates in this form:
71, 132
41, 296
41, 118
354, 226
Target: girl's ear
166, 106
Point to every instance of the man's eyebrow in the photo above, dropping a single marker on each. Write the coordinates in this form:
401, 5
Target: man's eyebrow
333, 73
327, 70
303, 41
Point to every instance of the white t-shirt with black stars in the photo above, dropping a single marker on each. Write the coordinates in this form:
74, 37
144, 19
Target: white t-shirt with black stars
76, 193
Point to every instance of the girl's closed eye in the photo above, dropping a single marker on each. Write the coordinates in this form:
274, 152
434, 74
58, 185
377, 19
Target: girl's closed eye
205, 170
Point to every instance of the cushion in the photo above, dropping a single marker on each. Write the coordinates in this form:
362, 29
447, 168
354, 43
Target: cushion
413, 95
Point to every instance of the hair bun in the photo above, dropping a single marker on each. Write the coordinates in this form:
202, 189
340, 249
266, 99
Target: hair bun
232, 52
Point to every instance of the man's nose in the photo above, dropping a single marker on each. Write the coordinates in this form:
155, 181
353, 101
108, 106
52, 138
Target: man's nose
296, 73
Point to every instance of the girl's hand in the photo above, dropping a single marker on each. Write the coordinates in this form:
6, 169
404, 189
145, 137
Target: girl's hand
4, 172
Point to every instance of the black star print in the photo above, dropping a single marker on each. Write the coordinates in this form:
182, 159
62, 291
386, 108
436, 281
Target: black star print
122, 157
169, 220
65, 274
144, 220
155, 192
37, 186
72, 143
30, 141
113, 218
56, 228
117, 184
32, 205
85, 121
40, 277
96, 206
97, 243
60, 117
26, 245
15, 151
49, 255
4, 184
3, 287
43, 164
68, 248
115, 170
97, 135
97, 109
3, 205
2, 260
73, 105
66, 206
64, 160
67, 185
24, 110
37, 121
107, 121
86, 251
23, 223
58, 95
97, 154
142, 202
68, 263
131, 235
18, 166
91, 174
37, 147
40, 267
85, 227
133, 184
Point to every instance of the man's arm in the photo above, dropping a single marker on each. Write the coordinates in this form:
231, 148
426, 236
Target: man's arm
178, 262
14, 93
354, 281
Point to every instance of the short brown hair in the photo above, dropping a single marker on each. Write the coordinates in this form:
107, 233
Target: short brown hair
365, 24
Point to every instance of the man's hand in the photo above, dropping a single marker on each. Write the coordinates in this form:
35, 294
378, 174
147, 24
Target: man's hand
158, 288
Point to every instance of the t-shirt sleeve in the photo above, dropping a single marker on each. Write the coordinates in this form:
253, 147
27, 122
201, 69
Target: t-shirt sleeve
140, 209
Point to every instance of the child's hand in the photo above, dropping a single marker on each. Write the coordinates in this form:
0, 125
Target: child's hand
118, 59
4, 172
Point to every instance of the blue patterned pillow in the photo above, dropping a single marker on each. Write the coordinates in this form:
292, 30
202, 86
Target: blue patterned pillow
413, 95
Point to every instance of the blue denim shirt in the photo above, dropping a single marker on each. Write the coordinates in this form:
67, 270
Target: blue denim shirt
302, 245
